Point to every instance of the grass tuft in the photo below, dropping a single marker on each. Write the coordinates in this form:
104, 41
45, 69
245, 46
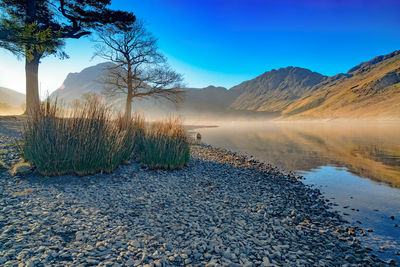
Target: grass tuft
166, 146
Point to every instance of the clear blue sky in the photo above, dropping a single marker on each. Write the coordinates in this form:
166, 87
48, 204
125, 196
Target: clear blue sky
224, 42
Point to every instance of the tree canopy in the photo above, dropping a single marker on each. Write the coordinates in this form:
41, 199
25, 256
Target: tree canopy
43, 25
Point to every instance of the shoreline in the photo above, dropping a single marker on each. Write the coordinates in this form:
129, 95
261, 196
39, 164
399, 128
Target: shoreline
224, 208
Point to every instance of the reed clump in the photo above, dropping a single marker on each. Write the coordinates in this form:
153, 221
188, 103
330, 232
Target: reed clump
84, 140
89, 139
166, 145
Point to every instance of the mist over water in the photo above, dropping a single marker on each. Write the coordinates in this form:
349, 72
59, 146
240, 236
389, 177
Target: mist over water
369, 150
355, 164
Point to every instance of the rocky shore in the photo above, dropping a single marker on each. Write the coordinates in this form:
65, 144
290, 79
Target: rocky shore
222, 209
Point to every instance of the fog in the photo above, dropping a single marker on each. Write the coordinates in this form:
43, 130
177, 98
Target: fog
369, 149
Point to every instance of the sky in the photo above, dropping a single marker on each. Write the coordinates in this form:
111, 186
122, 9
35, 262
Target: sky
225, 42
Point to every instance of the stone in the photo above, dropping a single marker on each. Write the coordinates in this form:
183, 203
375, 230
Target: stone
349, 258
3, 166
265, 261
21, 168
91, 261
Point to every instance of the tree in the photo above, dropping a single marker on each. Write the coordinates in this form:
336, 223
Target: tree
34, 29
139, 69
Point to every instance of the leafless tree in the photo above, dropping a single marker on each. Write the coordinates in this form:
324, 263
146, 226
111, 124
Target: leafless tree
139, 69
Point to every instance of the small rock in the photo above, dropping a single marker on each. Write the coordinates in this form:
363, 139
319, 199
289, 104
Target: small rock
92, 261
266, 261
349, 258
21, 168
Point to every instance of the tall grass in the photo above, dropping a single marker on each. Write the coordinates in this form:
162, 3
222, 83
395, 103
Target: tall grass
165, 146
88, 139
83, 141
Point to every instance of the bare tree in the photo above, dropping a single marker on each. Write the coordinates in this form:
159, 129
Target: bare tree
139, 69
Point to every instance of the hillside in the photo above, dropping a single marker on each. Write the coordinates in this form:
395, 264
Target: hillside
11, 97
209, 99
276, 89
77, 84
11, 102
369, 90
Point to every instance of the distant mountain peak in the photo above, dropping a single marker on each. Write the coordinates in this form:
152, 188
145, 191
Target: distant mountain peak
289, 72
274, 90
78, 83
289, 69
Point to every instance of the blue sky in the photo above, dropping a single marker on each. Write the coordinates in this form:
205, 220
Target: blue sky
224, 42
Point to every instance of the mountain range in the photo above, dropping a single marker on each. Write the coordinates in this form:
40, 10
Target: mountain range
368, 90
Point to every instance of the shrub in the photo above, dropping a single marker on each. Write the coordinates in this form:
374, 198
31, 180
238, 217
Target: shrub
165, 146
83, 141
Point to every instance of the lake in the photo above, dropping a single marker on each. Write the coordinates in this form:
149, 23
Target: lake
355, 164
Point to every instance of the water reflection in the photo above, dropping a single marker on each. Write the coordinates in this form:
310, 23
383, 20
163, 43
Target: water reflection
369, 150
365, 204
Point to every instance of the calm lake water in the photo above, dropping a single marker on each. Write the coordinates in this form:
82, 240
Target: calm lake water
355, 165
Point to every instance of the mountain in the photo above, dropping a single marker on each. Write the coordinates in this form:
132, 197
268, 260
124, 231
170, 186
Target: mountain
368, 90
11, 102
76, 84
11, 97
210, 99
275, 90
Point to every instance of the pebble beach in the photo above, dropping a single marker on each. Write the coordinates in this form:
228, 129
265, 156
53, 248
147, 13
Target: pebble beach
223, 209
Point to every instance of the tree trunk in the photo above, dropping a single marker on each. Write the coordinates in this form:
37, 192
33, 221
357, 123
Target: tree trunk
128, 104
32, 84
31, 66
128, 108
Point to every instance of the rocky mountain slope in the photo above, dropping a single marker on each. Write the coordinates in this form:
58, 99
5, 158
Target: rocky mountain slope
276, 89
77, 84
369, 90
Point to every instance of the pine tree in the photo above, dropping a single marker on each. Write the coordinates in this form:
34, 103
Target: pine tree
33, 29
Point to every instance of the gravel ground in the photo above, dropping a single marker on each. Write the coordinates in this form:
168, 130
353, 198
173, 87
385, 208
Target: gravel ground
222, 209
